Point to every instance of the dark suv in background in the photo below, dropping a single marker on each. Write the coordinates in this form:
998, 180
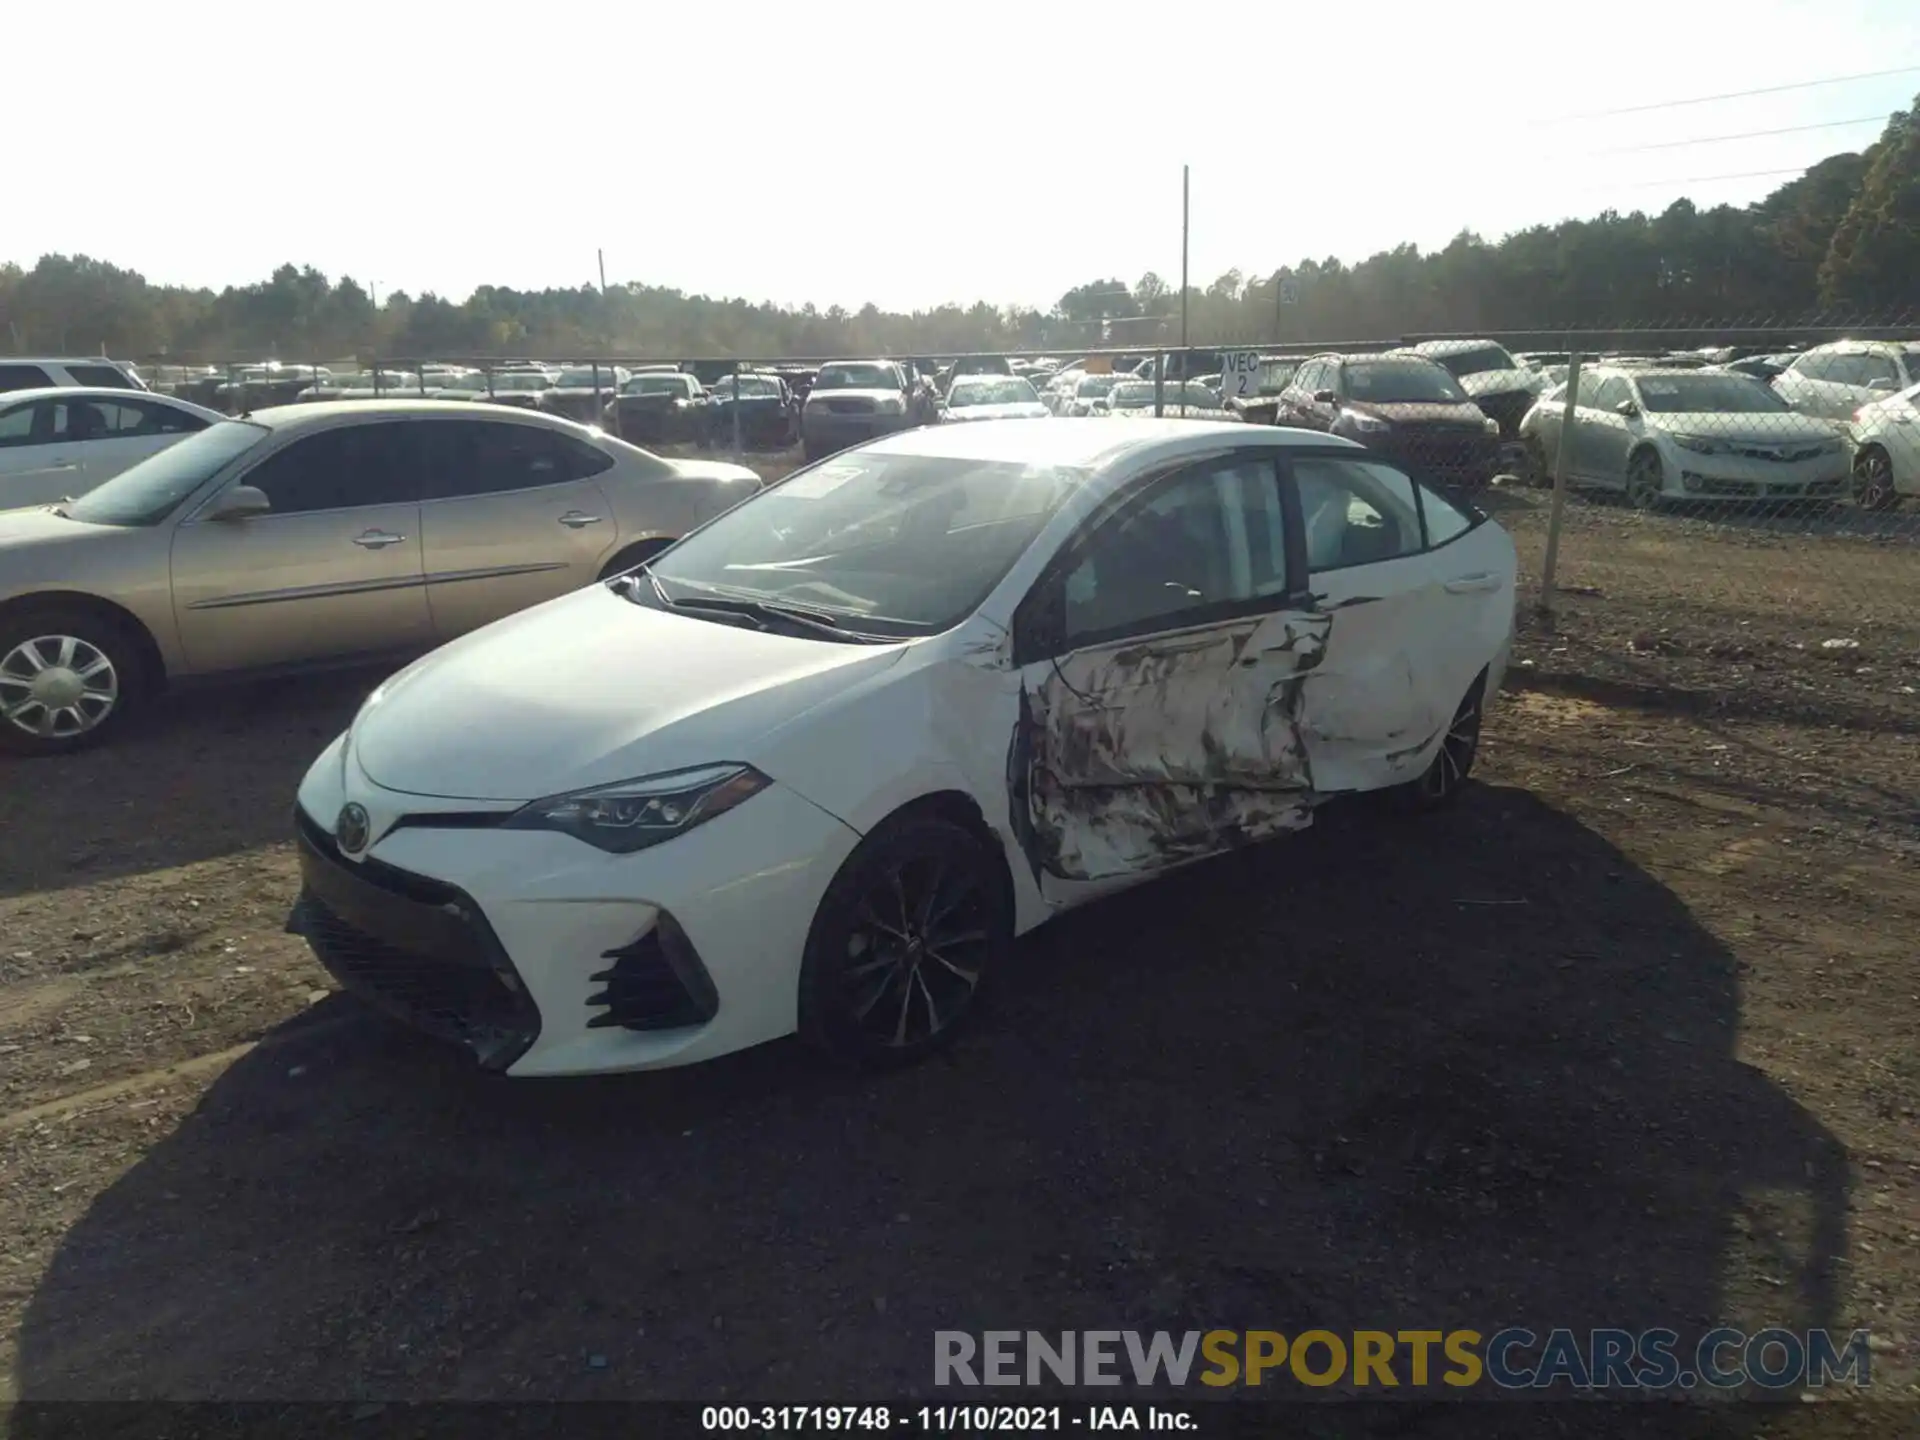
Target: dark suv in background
1405, 406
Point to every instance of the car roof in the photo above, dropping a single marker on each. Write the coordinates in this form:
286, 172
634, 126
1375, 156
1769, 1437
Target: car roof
1447, 347
96, 392
318, 413
1090, 443
64, 360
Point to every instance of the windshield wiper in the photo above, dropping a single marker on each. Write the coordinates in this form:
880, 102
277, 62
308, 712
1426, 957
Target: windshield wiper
762, 611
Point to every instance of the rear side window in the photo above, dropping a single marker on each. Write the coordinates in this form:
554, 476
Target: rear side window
137, 419
1356, 512
23, 377
1814, 367
479, 457
104, 377
339, 469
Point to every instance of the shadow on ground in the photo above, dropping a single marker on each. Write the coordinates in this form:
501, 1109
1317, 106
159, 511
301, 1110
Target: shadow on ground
207, 773
1473, 1072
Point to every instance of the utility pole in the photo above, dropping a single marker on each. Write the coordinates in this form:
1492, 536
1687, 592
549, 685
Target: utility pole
1185, 219
602, 255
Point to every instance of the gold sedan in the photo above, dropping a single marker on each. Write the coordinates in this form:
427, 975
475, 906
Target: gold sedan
313, 535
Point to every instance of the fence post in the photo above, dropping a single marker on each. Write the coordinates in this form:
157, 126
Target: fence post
596, 393
486, 373
735, 408
1550, 562
1159, 383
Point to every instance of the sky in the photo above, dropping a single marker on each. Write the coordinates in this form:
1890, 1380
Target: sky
908, 155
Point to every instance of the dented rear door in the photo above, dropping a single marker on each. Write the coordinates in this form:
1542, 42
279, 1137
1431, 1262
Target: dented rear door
1162, 724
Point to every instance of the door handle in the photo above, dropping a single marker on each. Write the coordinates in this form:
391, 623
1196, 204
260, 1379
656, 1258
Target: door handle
62, 465
575, 519
1472, 584
377, 540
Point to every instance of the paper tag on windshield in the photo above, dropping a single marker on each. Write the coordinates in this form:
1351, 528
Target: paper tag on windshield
817, 483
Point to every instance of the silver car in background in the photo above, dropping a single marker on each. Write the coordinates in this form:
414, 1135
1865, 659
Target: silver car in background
1686, 435
320, 534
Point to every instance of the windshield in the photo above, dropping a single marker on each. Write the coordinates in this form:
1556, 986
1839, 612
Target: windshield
1276, 375
145, 494
659, 385
992, 392
1406, 382
521, 381
1728, 394
890, 544
1473, 362
856, 377
1138, 395
1092, 387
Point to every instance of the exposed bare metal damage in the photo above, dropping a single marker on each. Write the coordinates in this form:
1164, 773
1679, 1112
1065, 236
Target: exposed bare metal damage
1129, 758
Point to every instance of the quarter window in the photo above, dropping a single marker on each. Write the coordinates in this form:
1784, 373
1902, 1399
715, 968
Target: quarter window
1445, 520
16, 426
1356, 512
1813, 366
1209, 538
101, 377
1862, 370
339, 469
1611, 392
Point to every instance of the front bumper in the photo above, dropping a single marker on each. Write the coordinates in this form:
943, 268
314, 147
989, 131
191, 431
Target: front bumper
542, 955
1715, 477
836, 432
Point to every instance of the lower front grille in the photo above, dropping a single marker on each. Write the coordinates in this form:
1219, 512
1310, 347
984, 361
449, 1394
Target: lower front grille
416, 948
655, 983
1508, 410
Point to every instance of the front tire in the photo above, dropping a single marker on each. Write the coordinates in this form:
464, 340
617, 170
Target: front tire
1873, 487
68, 679
916, 918
1646, 479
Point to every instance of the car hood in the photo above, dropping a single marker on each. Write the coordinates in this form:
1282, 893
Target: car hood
1422, 412
1773, 428
590, 689
1013, 410
714, 470
839, 394
1502, 382
35, 525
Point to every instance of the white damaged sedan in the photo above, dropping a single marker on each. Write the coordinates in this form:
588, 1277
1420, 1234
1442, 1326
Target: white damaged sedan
816, 765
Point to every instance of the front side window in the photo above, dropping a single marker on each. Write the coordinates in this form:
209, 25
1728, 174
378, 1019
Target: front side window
1612, 391
1862, 370
1445, 520
16, 426
891, 544
1356, 512
1209, 538
857, 377
145, 494
344, 468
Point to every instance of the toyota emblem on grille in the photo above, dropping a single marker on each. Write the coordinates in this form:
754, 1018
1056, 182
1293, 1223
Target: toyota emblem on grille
353, 829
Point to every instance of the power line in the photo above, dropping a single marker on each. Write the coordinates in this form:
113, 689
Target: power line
1740, 94
1742, 135
1708, 179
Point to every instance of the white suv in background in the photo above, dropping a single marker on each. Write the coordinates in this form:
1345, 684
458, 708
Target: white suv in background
38, 372
1830, 382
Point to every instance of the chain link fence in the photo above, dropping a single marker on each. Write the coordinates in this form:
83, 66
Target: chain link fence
1716, 514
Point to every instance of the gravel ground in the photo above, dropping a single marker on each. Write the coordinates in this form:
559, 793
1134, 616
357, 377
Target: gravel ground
1625, 1039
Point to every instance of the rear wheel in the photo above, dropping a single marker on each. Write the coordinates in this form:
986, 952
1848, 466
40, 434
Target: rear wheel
910, 926
1873, 487
67, 680
1442, 781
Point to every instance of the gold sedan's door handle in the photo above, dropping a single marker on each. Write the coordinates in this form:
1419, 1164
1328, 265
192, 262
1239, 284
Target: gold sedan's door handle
575, 519
377, 540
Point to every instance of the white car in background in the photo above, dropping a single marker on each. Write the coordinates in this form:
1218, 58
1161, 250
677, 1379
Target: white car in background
40, 372
993, 397
60, 442
1664, 435
1832, 381
845, 741
1885, 437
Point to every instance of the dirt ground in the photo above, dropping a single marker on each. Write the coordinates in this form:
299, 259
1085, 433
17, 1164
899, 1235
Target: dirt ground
1628, 1038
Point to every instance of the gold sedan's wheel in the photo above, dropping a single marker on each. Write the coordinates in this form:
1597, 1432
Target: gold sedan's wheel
55, 687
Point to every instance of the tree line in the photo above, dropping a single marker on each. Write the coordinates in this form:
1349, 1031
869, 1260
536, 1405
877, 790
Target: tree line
1842, 241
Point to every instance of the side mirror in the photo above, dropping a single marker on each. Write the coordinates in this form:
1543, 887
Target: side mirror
1323, 397
1627, 407
242, 502
1880, 382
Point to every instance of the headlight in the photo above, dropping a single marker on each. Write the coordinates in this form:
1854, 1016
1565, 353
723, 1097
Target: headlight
890, 405
1492, 427
1367, 424
1699, 444
633, 814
